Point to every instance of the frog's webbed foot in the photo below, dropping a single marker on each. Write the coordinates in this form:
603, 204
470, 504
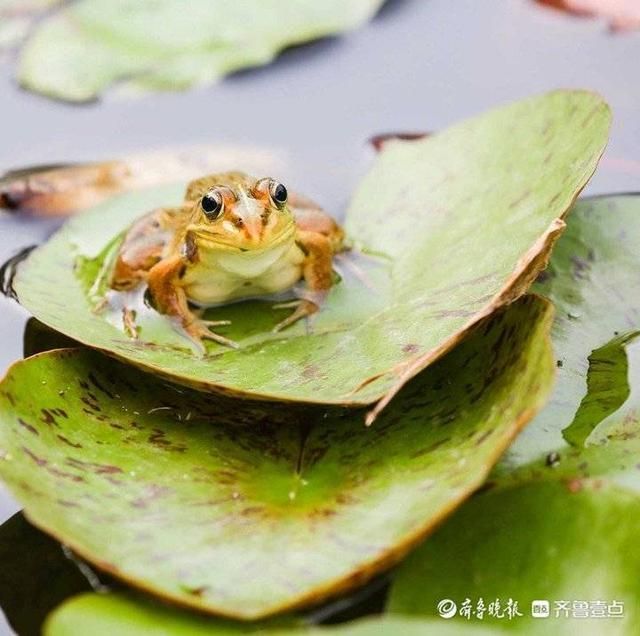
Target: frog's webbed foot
303, 309
128, 315
199, 330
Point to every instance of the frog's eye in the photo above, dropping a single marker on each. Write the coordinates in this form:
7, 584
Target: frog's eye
278, 194
212, 204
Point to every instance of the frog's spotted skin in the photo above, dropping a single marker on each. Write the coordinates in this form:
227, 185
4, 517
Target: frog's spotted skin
233, 237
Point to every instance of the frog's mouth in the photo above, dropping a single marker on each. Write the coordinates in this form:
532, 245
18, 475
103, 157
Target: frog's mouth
237, 241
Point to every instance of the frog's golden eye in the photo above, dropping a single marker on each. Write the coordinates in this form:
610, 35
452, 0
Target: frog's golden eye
212, 205
278, 194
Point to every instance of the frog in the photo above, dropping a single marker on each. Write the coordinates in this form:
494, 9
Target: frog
233, 237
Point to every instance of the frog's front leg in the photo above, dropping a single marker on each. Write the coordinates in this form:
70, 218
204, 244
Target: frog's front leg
170, 298
317, 272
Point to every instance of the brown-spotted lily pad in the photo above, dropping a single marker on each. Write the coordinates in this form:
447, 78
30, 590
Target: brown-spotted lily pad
560, 516
246, 509
446, 229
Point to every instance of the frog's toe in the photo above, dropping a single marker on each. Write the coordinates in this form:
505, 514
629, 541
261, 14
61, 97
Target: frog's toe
100, 306
129, 322
303, 309
199, 331
216, 337
288, 305
215, 323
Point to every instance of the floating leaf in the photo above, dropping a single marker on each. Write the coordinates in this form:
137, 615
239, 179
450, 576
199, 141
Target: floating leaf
239, 509
607, 389
105, 615
38, 574
592, 281
66, 189
532, 542
560, 521
124, 615
452, 227
158, 45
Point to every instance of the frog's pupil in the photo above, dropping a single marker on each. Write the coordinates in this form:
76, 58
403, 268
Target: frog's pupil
211, 204
280, 194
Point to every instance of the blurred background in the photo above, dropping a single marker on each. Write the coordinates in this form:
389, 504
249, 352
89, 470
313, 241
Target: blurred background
420, 65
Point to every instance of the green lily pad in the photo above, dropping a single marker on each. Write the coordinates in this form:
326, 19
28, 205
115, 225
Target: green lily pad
104, 615
246, 509
38, 574
450, 228
592, 280
534, 542
560, 517
125, 615
607, 388
156, 45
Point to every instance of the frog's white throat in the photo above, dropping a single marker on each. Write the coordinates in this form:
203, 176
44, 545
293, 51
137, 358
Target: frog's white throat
249, 264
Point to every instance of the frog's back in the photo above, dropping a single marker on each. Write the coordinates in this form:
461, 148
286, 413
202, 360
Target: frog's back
145, 243
310, 217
